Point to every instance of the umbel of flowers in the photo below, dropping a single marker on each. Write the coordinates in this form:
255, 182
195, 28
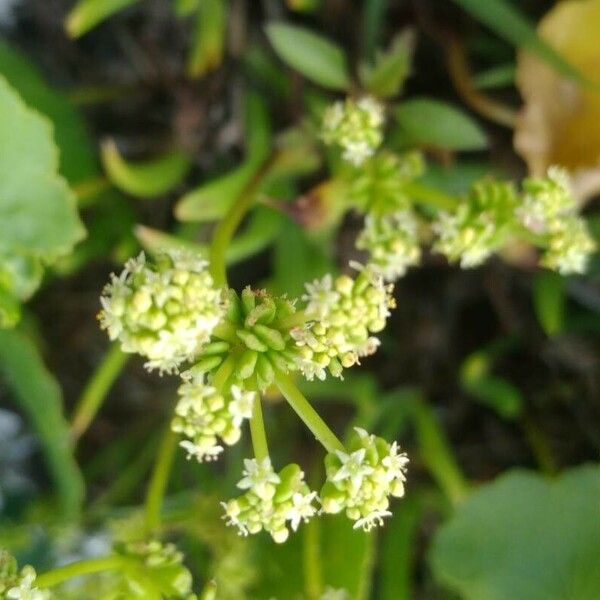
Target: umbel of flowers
242, 344
382, 186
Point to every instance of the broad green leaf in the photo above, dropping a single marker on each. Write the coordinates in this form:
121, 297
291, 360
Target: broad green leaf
208, 39
508, 22
429, 122
86, 14
38, 217
549, 301
387, 75
315, 57
144, 180
524, 536
10, 309
39, 395
78, 161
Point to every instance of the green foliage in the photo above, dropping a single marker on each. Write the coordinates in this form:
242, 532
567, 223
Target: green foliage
429, 122
386, 76
508, 22
549, 298
39, 396
78, 161
144, 180
209, 36
317, 58
38, 219
524, 537
87, 14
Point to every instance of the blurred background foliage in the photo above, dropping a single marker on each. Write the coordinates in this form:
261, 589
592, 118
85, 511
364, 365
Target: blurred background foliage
135, 124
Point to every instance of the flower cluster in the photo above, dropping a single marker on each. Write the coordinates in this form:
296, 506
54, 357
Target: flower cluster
272, 500
165, 310
479, 226
203, 415
493, 213
548, 210
361, 480
392, 240
355, 126
163, 570
344, 312
15, 585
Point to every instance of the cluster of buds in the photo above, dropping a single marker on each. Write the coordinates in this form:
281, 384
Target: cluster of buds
355, 126
272, 500
549, 210
165, 310
479, 226
379, 185
361, 480
392, 240
255, 335
345, 312
15, 585
204, 415
162, 570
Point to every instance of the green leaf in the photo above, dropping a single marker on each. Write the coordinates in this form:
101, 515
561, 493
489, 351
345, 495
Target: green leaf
549, 298
10, 309
86, 14
499, 76
207, 43
387, 76
40, 397
213, 199
429, 122
524, 537
315, 57
144, 180
507, 22
38, 217
78, 161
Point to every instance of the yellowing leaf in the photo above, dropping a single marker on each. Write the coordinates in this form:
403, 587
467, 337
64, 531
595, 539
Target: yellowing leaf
560, 122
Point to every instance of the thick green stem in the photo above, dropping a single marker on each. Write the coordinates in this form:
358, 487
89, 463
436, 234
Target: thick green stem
160, 479
82, 567
229, 223
96, 390
307, 413
257, 431
438, 455
430, 196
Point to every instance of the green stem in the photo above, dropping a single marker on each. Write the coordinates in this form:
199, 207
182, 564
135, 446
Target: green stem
160, 479
307, 413
230, 222
257, 431
96, 390
311, 557
430, 196
82, 567
539, 446
438, 455
223, 372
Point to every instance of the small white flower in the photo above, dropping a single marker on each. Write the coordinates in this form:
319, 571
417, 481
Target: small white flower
241, 404
25, 591
199, 453
374, 519
395, 463
257, 474
302, 509
353, 467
